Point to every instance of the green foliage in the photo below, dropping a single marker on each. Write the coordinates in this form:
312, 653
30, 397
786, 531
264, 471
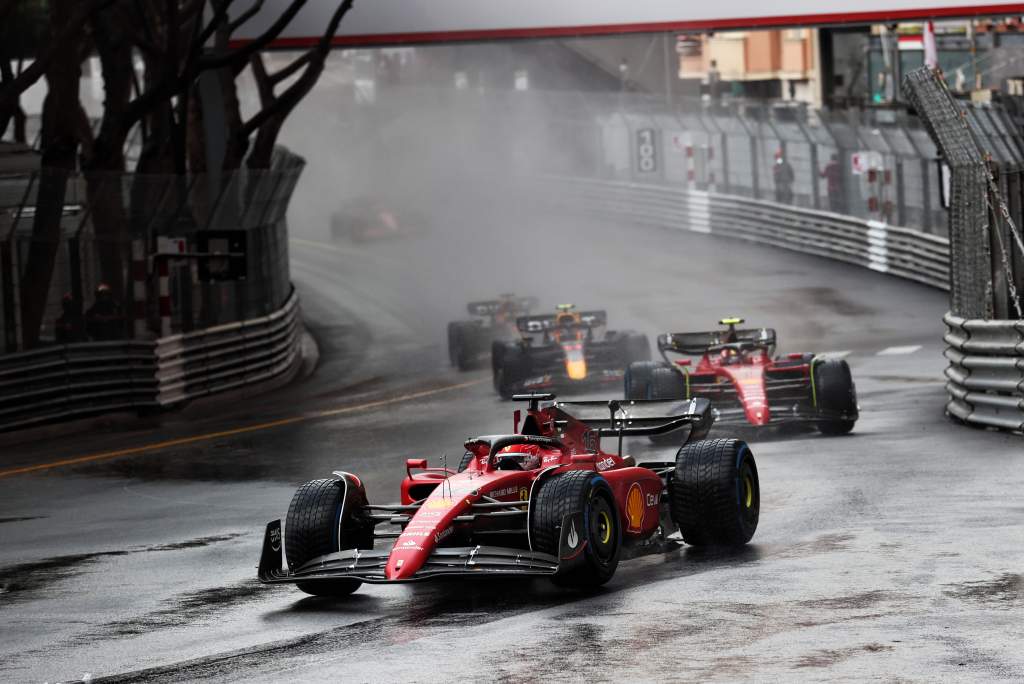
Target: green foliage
25, 29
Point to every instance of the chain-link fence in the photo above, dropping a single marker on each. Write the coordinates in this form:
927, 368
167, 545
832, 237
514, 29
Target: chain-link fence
984, 151
129, 256
876, 165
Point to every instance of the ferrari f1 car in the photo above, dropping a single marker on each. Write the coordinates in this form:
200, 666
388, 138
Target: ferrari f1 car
544, 501
564, 350
746, 383
469, 342
367, 220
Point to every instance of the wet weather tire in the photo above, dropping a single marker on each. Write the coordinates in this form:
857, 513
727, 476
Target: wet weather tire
584, 493
638, 348
638, 377
324, 517
836, 396
510, 366
714, 495
667, 383
460, 345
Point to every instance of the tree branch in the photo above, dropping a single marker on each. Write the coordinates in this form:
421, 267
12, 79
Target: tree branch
297, 64
245, 16
243, 53
295, 92
11, 91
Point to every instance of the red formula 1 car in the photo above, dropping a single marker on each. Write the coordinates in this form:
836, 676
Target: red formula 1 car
545, 501
746, 383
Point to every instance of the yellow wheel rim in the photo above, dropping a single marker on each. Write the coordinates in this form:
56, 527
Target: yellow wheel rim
604, 525
748, 491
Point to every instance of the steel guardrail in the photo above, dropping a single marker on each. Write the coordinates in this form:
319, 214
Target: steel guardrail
985, 376
226, 357
874, 245
64, 382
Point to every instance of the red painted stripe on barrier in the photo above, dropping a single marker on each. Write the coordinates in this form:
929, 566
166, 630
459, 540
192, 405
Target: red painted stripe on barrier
823, 19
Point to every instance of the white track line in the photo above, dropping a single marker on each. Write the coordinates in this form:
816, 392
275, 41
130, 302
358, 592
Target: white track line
892, 351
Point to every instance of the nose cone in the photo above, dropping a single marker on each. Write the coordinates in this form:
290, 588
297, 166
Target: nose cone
758, 414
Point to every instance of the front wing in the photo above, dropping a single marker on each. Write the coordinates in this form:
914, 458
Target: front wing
368, 565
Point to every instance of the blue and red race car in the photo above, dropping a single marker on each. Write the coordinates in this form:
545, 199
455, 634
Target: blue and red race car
545, 500
567, 351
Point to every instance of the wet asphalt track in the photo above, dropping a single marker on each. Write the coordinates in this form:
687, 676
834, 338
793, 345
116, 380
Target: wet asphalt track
893, 553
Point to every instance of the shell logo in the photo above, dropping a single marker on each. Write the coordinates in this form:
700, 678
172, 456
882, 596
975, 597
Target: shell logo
635, 508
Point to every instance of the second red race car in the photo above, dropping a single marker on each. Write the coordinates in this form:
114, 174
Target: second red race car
546, 500
737, 370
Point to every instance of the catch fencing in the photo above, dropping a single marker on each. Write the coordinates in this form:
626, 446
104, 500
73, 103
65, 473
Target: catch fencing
64, 382
985, 328
178, 253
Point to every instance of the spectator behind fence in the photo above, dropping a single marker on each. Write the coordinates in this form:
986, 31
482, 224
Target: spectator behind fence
833, 175
69, 327
782, 173
104, 320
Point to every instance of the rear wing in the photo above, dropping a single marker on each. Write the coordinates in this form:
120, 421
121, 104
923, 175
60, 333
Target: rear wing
546, 322
490, 307
695, 343
640, 417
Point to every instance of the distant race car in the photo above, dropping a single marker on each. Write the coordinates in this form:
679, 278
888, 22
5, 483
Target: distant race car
546, 501
469, 342
565, 350
365, 220
746, 383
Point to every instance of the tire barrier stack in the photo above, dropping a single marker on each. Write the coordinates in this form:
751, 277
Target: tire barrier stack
901, 252
66, 382
985, 377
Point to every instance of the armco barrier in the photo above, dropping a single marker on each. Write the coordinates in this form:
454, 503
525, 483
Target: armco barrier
76, 380
87, 379
985, 377
898, 251
227, 357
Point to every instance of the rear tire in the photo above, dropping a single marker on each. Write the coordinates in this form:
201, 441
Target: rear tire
326, 516
578, 492
667, 383
836, 394
638, 348
638, 377
715, 495
510, 368
461, 349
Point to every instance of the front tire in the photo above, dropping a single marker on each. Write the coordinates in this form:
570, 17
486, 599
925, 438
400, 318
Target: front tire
835, 396
578, 493
715, 495
326, 516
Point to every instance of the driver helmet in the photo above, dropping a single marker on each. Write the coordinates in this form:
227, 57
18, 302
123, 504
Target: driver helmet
526, 456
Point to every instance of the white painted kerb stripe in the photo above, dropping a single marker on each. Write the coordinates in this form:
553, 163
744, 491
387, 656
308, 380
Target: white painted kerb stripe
891, 351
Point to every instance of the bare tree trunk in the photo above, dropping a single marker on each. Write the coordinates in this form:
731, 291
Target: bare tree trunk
60, 137
104, 165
